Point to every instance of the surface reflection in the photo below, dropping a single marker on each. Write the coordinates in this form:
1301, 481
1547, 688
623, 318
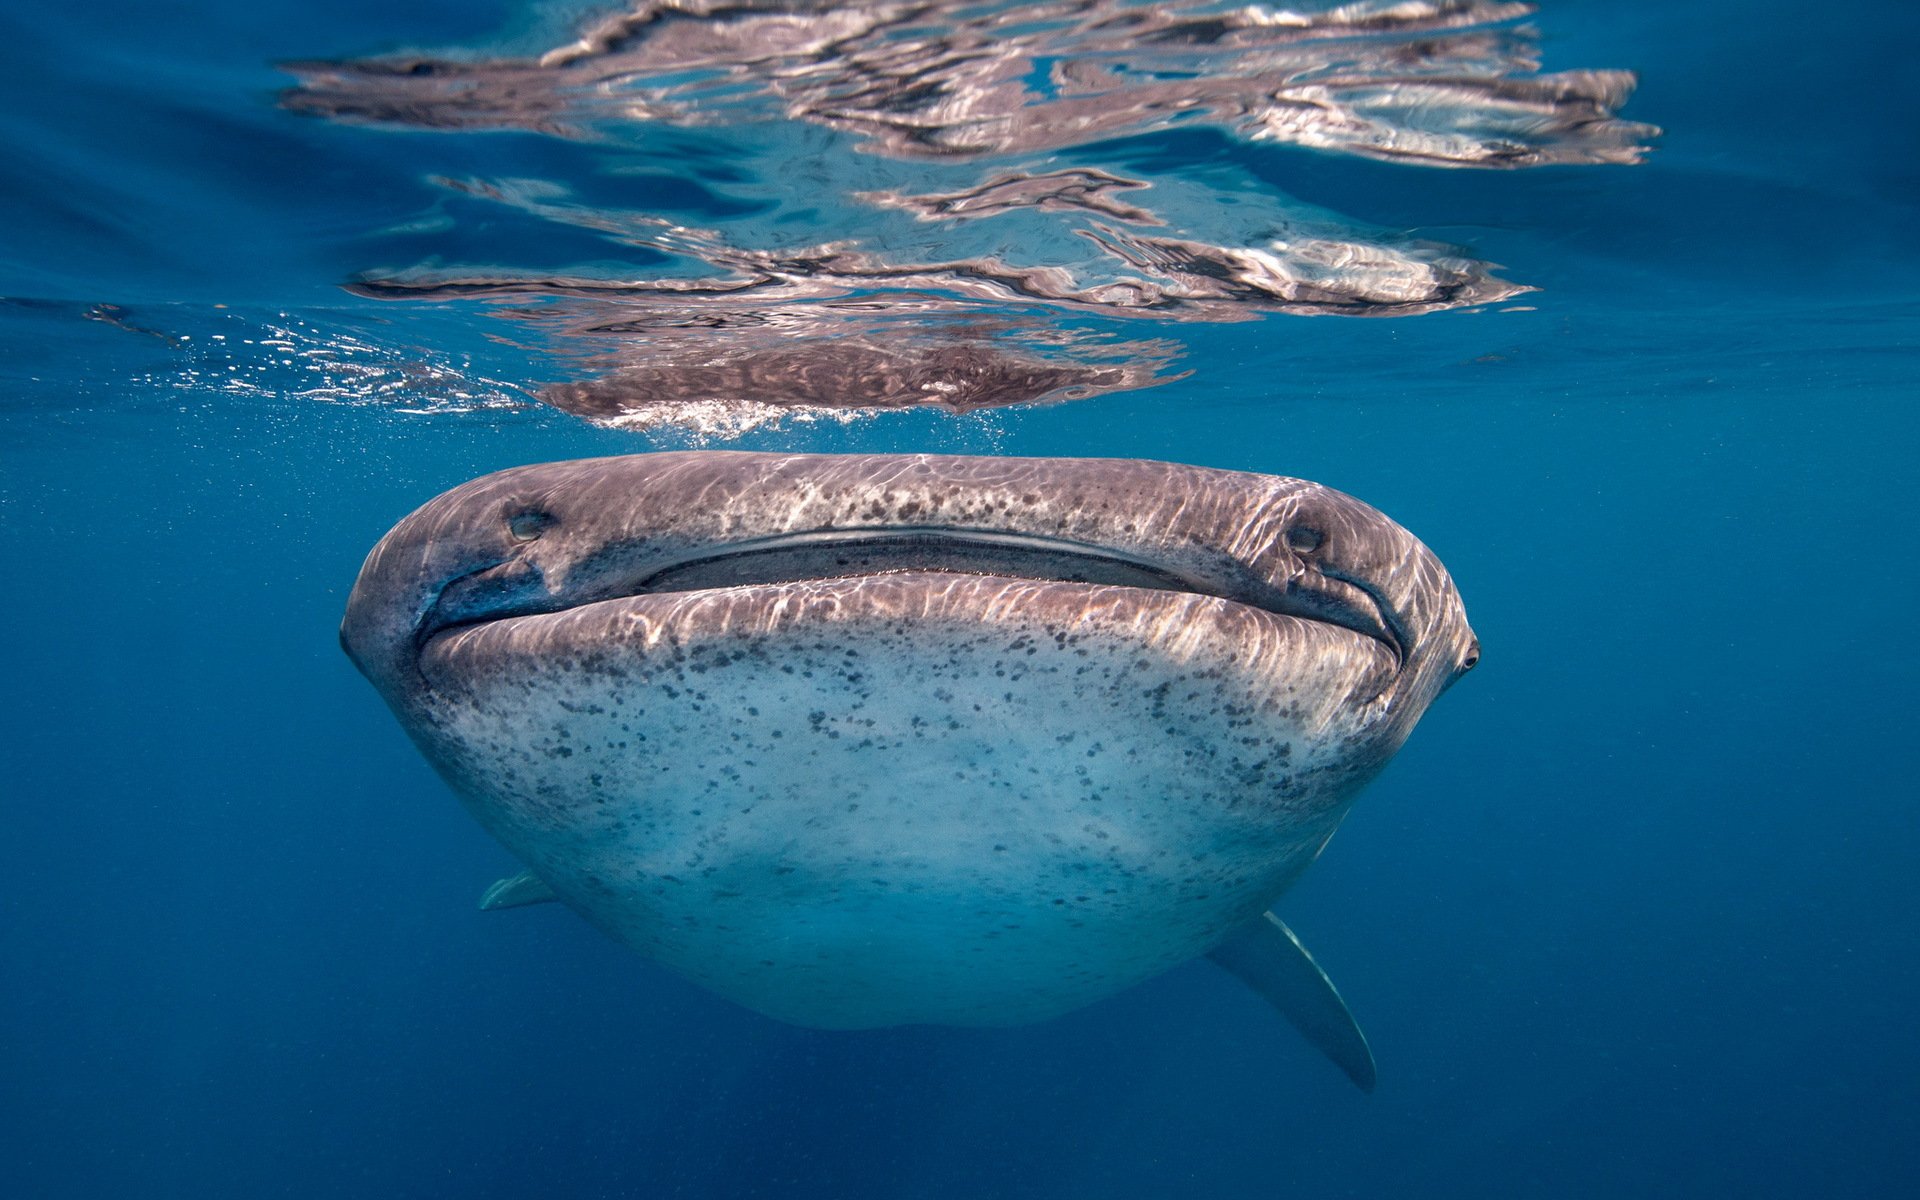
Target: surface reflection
977, 164
727, 367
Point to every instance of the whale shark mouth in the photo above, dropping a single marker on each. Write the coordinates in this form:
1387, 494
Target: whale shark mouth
853, 554
840, 554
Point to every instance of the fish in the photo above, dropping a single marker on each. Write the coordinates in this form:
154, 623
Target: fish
869, 740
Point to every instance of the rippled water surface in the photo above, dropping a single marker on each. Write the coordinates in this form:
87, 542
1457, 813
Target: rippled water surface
1612, 304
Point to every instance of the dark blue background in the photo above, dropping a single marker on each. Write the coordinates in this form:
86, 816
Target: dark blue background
1633, 915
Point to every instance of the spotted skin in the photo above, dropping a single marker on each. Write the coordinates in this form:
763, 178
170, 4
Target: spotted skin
918, 795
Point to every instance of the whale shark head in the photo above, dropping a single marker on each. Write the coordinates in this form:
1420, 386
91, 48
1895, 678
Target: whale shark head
544, 539
860, 740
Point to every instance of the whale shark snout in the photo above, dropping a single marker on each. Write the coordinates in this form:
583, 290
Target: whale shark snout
869, 740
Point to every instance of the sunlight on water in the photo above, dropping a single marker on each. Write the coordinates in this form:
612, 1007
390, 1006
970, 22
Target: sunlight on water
311, 359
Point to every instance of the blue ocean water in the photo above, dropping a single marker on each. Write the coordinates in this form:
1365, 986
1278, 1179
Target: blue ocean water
1633, 914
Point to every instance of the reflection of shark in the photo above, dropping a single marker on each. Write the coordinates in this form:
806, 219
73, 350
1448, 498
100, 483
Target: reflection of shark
745, 380
969, 156
1436, 81
870, 740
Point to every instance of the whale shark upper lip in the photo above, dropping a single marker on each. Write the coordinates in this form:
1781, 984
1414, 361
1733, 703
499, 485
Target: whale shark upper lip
857, 552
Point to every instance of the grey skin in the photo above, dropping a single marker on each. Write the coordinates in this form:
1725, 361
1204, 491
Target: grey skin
869, 740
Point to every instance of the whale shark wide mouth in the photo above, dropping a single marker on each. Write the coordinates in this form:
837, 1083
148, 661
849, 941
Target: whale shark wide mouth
936, 551
841, 554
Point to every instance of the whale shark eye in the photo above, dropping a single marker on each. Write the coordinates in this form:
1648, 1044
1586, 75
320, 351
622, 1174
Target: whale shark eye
1472, 659
1304, 540
527, 526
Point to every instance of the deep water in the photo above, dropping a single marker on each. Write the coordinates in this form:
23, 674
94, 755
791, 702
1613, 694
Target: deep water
1633, 914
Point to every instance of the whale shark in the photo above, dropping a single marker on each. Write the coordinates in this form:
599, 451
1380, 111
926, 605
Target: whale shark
869, 740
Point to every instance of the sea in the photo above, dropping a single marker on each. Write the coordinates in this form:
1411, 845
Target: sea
1614, 305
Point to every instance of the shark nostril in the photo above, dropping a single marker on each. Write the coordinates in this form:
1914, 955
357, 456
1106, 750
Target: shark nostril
1303, 540
527, 526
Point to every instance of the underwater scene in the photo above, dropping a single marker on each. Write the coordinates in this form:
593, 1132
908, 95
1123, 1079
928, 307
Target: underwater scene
750, 598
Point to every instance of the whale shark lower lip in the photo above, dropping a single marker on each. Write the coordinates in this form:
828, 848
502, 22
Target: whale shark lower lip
686, 616
867, 552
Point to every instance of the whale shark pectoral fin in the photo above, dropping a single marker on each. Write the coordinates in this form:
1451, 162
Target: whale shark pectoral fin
517, 892
1270, 960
